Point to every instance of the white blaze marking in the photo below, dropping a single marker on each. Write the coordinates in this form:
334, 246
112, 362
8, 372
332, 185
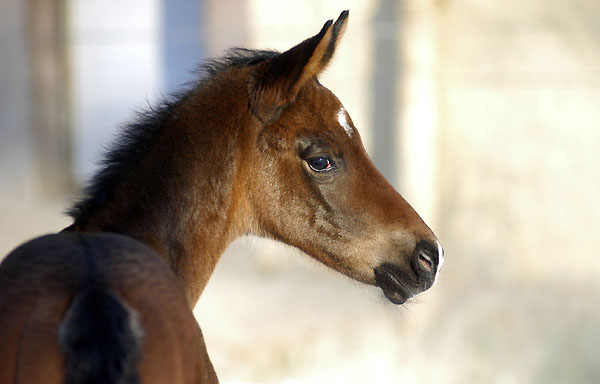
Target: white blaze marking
344, 122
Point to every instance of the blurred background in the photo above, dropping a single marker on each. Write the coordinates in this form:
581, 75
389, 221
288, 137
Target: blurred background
485, 116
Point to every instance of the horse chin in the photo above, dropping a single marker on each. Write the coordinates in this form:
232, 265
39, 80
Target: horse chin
388, 279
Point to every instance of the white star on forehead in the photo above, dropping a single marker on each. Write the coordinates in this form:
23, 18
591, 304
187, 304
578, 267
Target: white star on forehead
341, 116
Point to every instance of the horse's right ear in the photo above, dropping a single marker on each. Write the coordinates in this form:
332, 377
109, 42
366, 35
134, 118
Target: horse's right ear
276, 82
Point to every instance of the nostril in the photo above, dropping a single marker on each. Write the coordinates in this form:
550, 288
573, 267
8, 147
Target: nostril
425, 262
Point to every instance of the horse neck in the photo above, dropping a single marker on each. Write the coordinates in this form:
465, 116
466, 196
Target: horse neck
187, 199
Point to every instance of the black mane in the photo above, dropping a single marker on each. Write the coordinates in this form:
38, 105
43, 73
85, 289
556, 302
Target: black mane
235, 57
136, 137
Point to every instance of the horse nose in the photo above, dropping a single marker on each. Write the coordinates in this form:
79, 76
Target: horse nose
429, 258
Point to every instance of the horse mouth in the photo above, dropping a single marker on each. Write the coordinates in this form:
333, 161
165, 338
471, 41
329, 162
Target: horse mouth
388, 278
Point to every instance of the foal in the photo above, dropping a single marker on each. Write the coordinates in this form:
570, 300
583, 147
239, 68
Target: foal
258, 146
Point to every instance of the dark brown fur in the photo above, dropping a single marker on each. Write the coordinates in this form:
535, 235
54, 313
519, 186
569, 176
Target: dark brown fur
231, 156
40, 281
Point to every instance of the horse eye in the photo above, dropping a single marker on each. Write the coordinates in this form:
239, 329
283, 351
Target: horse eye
320, 164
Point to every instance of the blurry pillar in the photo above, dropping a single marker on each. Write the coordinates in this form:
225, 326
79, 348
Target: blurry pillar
16, 180
225, 25
386, 71
181, 40
46, 25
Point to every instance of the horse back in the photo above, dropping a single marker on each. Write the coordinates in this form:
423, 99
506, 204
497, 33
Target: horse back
101, 306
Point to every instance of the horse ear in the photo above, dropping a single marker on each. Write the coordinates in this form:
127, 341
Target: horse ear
276, 82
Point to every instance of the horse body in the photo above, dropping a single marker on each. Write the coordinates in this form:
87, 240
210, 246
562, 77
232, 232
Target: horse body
259, 147
71, 300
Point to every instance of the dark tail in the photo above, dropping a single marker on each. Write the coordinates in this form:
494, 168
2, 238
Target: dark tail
100, 339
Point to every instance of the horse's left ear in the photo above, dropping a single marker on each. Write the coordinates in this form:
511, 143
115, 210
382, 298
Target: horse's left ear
276, 82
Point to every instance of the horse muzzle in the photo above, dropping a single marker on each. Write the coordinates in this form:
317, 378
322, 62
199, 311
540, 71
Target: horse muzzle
401, 282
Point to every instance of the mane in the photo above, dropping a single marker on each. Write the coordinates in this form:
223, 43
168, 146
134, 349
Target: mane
135, 138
